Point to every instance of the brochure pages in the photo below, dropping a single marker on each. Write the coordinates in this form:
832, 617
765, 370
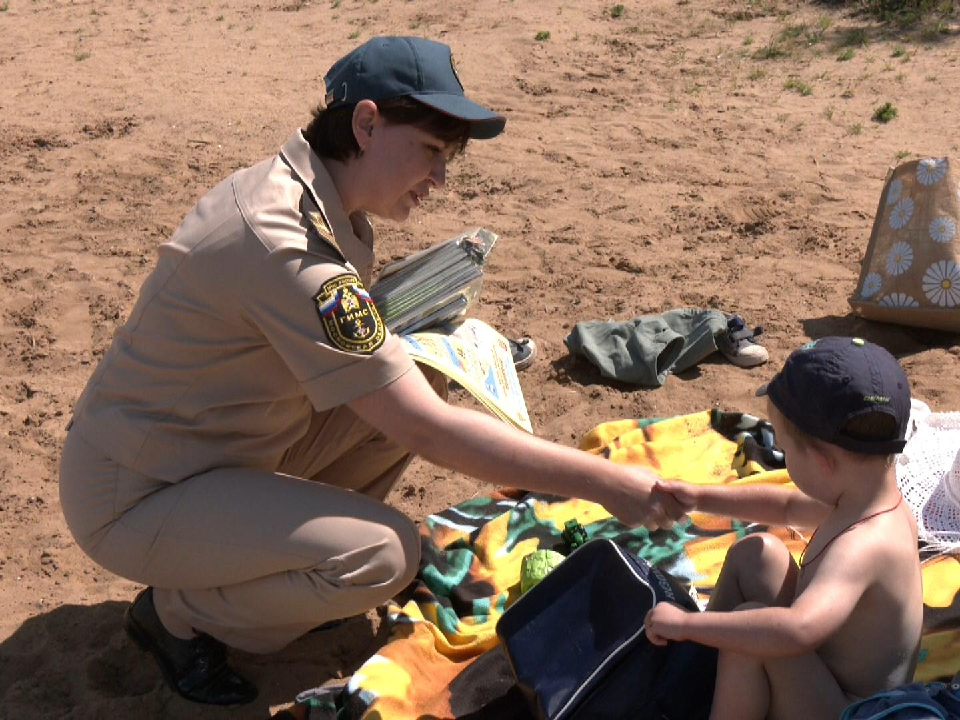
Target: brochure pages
478, 357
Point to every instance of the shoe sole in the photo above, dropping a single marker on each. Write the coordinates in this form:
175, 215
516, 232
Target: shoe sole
745, 361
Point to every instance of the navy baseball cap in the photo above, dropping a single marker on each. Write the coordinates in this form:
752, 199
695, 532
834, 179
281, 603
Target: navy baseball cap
392, 67
827, 382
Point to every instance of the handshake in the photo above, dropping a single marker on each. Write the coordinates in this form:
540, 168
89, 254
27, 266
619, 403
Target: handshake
640, 497
669, 502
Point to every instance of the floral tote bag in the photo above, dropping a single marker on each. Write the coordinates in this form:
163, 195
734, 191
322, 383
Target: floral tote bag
911, 269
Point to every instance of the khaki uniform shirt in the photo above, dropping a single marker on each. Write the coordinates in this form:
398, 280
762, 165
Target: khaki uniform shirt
254, 318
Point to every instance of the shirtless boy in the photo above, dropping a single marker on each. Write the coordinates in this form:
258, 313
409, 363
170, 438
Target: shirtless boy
807, 640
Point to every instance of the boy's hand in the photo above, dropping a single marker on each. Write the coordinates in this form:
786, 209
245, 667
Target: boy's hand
684, 494
637, 503
665, 622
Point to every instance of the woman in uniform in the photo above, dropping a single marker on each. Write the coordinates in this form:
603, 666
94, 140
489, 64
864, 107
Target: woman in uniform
233, 448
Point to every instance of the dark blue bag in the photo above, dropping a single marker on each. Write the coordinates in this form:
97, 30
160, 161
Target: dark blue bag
577, 647
916, 701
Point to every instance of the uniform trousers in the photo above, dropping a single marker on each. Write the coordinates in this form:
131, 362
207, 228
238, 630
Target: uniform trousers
251, 557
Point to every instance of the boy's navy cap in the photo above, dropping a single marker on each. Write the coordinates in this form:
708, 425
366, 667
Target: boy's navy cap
827, 382
391, 67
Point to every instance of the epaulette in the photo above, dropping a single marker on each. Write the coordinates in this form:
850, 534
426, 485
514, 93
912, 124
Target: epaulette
319, 223
310, 209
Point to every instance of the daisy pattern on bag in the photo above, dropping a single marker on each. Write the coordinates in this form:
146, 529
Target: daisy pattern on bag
871, 285
931, 170
900, 258
943, 229
901, 213
941, 283
893, 192
898, 300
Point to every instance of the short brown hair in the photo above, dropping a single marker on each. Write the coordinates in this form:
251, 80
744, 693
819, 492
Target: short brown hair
330, 132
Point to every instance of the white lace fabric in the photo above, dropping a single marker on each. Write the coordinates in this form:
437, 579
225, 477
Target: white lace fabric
928, 473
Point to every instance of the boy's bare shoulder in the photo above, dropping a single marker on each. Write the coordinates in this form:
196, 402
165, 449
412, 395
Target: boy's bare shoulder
890, 539
881, 547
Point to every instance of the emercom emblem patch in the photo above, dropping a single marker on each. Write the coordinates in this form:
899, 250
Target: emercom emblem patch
349, 316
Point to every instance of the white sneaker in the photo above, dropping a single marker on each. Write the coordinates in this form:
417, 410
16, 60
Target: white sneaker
738, 345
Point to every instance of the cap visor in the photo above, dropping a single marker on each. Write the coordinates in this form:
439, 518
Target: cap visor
484, 123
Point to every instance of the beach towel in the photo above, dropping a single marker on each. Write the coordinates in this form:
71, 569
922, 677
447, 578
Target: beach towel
443, 658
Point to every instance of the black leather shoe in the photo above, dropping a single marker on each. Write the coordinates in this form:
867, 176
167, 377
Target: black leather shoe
329, 625
195, 668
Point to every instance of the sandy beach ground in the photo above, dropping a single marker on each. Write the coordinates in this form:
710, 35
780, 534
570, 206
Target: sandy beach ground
657, 155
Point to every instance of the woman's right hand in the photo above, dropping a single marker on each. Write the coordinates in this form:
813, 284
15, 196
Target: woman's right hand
639, 503
684, 494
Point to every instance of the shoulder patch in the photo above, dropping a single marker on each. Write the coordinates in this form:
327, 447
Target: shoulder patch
349, 315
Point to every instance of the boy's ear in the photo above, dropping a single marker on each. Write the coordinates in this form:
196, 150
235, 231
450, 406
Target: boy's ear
364, 118
824, 459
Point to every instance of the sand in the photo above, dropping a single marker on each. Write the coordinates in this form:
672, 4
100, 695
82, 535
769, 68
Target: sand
654, 158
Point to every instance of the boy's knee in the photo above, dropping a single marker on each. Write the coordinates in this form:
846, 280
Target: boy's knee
757, 546
751, 605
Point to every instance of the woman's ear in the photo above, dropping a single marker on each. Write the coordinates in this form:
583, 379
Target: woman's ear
365, 116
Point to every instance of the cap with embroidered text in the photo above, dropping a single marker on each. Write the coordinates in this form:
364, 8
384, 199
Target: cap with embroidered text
392, 67
828, 382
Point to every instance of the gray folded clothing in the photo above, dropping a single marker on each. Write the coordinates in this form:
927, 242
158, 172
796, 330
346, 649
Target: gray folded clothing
643, 351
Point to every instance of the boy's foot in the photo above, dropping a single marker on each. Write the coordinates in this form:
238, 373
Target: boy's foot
738, 345
195, 668
524, 350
